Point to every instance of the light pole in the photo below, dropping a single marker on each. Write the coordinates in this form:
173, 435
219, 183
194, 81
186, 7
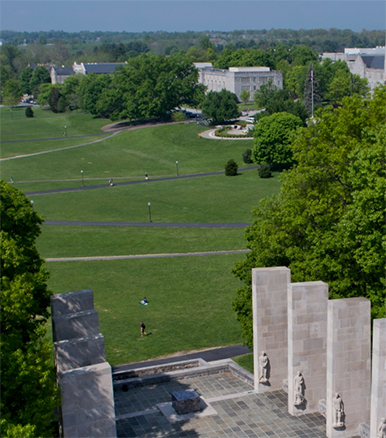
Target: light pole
197, 129
177, 167
32, 204
149, 204
82, 178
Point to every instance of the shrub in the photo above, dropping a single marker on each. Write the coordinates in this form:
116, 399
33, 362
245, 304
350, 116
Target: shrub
29, 112
265, 171
247, 156
231, 168
178, 116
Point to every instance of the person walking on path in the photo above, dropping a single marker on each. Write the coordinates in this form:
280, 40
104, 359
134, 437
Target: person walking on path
146, 176
143, 333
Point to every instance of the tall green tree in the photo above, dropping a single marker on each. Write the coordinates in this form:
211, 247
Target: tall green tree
272, 139
328, 221
150, 86
12, 92
25, 78
28, 388
39, 76
344, 84
245, 95
220, 106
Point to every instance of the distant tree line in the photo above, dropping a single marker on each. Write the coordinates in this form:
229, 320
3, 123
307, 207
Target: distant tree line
318, 39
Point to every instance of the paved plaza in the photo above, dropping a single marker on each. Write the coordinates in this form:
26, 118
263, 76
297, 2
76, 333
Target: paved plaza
241, 412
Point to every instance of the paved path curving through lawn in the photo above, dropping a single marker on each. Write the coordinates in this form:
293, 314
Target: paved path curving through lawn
127, 183
211, 136
59, 149
145, 256
151, 224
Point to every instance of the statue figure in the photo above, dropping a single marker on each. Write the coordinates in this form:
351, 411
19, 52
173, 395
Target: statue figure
338, 407
299, 388
381, 433
264, 367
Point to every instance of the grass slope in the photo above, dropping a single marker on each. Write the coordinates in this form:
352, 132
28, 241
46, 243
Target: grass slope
46, 124
132, 153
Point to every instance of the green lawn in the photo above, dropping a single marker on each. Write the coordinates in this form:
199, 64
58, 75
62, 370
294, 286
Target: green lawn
46, 124
189, 303
132, 153
23, 148
78, 241
245, 361
190, 297
215, 198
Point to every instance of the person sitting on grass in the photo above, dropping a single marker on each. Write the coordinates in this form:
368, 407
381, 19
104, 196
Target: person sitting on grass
144, 302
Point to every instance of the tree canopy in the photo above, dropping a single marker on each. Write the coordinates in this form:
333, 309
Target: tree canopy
328, 221
39, 76
28, 388
272, 139
150, 86
220, 106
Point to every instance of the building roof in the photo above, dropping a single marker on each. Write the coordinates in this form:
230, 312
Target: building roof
102, 68
63, 71
374, 61
248, 69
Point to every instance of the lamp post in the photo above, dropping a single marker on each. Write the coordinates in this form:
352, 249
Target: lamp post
32, 204
177, 168
149, 204
82, 178
197, 129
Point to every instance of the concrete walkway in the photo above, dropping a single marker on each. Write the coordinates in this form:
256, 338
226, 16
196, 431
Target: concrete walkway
211, 136
59, 149
128, 183
151, 224
145, 256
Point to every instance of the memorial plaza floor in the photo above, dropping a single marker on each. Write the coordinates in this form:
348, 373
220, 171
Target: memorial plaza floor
240, 411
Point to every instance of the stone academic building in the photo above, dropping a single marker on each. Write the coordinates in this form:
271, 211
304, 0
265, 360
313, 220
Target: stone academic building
237, 79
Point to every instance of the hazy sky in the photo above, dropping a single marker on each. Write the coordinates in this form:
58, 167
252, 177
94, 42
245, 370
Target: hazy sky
178, 15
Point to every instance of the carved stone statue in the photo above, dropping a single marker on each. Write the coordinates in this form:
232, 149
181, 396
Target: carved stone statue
338, 409
264, 367
299, 389
381, 432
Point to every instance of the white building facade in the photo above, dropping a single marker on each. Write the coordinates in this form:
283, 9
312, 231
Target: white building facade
369, 63
237, 79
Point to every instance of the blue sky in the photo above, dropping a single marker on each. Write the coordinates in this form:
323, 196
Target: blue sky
178, 15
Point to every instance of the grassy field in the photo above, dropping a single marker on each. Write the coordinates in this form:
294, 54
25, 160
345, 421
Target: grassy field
130, 154
32, 147
189, 303
78, 241
190, 297
46, 124
206, 199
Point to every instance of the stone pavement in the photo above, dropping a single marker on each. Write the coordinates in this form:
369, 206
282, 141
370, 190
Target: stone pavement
241, 412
